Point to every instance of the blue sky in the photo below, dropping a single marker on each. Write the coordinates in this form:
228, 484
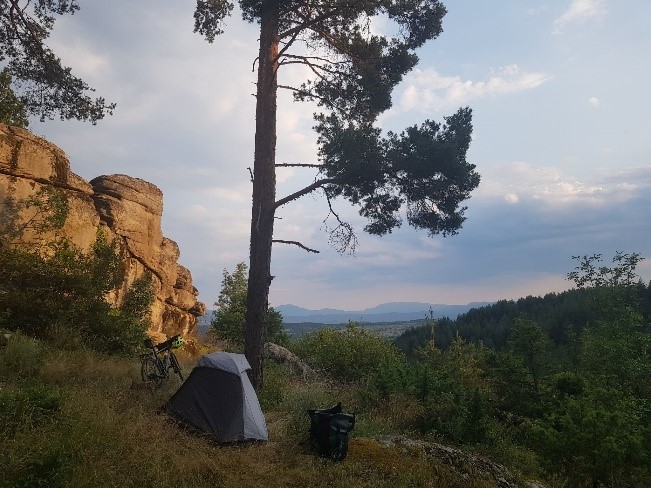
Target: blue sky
559, 92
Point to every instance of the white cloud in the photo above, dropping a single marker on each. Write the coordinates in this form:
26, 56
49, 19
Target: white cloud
428, 89
594, 101
580, 11
511, 198
554, 187
185, 121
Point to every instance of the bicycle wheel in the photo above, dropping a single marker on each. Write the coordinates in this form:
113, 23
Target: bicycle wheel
150, 373
175, 365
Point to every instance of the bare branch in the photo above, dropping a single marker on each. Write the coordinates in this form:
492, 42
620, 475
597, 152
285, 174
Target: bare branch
291, 88
342, 237
296, 243
307, 22
298, 165
317, 68
315, 58
304, 191
286, 46
314, 96
336, 45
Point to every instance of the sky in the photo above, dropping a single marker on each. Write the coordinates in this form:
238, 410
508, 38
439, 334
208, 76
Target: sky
559, 92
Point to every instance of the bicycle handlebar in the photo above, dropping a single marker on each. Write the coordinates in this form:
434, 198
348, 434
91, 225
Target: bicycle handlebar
163, 346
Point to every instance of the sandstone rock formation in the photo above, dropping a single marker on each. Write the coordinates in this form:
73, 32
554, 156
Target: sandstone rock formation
128, 209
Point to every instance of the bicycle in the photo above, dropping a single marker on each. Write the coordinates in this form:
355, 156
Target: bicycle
156, 364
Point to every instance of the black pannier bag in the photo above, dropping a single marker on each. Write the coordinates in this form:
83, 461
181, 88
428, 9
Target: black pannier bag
329, 429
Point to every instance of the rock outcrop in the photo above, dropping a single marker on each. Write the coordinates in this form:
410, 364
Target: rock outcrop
128, 209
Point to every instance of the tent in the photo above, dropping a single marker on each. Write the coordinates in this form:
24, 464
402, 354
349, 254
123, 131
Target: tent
218, 400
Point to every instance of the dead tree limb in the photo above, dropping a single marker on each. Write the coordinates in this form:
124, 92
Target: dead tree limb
296, 243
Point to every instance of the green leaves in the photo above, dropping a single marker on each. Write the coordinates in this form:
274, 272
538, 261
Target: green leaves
209, 16
356, 70
432, 173
423, 169
589, 273
12, 109
360, 86
350, 354
613, 289
43, 85
528, 341
420, 21
44, 211
230, 317
139, 298
595, 438
59, 296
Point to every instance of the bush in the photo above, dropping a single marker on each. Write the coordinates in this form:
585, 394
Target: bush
60, 297
595, 437
116, 333
20, 356
352, 354
229, 319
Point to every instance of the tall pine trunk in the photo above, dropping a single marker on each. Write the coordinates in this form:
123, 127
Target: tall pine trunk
264, 192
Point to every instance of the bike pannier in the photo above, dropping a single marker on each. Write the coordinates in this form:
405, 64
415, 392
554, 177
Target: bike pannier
329, 429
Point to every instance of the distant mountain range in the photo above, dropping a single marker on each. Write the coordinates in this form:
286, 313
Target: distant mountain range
391, 318
386, 312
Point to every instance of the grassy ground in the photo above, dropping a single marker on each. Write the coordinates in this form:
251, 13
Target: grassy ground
75, 419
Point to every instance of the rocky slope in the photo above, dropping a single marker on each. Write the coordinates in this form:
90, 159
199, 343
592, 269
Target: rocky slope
128, 209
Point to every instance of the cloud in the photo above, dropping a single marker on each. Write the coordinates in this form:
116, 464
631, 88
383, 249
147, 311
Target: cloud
428, 89
511, 198
520, 182
185, 121
594, 101
580, 11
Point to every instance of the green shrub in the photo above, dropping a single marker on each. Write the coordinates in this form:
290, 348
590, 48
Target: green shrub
275, 380
596, 437
352, 354
454, 392
229, 319
20, 356
60, 297
138, 299
116, 333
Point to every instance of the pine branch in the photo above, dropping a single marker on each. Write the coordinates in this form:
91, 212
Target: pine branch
307, 22
343, 236
304, 191
298, 165
296, 243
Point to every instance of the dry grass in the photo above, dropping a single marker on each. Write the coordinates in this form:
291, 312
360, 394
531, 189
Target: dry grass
104, 433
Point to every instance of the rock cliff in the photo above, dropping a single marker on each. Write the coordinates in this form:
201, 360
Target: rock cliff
128, 209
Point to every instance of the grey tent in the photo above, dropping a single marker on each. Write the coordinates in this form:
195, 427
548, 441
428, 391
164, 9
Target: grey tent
218, 400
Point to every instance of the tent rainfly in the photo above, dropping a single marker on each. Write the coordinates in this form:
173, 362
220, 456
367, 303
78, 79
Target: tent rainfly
218, 400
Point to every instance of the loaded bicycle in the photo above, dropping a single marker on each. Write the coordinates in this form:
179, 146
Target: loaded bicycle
156, 364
